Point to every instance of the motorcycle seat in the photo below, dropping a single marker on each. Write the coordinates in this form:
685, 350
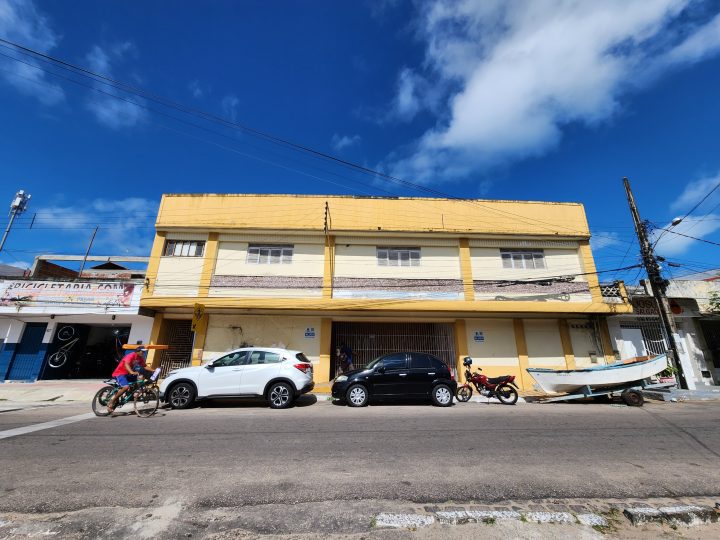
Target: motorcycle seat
498, 380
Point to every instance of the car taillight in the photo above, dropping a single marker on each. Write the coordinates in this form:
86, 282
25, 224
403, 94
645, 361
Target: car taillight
305, 368
452, 376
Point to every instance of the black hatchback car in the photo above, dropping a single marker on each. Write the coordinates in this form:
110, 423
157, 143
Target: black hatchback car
398, 375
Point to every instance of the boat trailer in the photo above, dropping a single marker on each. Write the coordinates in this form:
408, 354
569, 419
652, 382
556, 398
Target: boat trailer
630, 392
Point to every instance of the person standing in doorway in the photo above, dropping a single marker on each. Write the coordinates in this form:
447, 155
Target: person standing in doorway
346, 352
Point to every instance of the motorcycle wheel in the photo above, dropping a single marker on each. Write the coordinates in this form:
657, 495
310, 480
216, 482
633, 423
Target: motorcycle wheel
464, 393
506, 394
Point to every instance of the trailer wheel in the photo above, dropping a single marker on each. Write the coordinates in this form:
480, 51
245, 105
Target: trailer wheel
633, 398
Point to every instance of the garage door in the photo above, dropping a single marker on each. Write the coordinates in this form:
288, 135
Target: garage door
369, 340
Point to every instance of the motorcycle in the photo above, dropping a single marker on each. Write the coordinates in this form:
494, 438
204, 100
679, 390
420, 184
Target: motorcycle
497, 387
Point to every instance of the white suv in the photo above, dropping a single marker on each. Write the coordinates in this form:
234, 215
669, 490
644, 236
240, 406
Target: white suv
278, 375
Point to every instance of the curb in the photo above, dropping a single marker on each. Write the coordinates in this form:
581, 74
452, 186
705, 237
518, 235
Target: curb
686, 515
675, 515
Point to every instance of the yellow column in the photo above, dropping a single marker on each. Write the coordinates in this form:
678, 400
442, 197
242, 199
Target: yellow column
606, 341
199, 342
154, 338
522, 352
466, 269
588, 267
210, 259
322, 374
329, 270
154, 263
461, 346
566, 343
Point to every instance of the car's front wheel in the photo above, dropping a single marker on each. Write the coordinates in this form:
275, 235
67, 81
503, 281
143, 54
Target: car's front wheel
442, 395
357, 396
181, 396
280, 396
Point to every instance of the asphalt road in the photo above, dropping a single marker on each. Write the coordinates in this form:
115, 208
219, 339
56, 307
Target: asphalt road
246, 454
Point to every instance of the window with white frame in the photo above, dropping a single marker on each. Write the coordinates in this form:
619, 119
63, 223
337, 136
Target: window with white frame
184, 248
523, 258
269, 254
398, 256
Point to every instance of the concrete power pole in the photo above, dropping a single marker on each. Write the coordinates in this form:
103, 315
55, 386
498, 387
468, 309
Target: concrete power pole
17, 207
657, 284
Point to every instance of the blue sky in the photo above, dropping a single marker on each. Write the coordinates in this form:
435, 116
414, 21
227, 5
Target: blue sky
528, 99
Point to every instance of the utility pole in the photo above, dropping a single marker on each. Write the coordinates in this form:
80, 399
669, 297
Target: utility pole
657, 284
17, 207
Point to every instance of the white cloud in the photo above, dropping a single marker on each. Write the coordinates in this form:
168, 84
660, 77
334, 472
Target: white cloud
125, 224
518, 72
674, 244
21, 22
694, 193
602, 240
230, 104
111, 111
196, 89
339, 143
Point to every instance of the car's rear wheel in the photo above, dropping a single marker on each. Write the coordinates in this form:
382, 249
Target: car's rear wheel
181, 396
442, 396
280, 395
357, 396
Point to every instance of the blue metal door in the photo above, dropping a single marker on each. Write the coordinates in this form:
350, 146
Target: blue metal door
29, 354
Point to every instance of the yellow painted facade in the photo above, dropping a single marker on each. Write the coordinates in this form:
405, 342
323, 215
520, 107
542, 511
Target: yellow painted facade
507, 319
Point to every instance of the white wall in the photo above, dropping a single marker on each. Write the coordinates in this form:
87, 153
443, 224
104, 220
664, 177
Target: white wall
178, 276
487, 264
307, 260
543, 343
227, 332
498, 345
360, 261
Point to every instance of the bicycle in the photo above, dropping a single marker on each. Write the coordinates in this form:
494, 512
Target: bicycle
144, 393
59, 357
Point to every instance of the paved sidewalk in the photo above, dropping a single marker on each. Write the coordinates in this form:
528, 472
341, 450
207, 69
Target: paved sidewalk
49, 391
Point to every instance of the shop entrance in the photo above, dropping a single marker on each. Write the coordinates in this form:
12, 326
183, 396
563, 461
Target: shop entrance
368, 340
84, 351
176, 333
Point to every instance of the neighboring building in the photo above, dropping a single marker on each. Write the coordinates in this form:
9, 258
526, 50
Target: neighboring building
641, 333
56, 324
10, 271
512, 284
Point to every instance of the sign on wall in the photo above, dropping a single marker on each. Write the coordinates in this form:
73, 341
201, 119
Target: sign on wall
478, 336
66, 293
310, 332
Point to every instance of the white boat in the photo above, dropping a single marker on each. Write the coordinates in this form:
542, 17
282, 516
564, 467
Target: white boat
569, 380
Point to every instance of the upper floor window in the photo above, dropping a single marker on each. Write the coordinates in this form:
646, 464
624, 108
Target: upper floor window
269, 254
184, 248
523, 258
398, 256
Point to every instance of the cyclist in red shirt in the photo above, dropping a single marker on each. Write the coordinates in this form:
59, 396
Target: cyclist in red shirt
126, 372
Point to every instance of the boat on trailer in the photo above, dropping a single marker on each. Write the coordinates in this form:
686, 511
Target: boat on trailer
598, 377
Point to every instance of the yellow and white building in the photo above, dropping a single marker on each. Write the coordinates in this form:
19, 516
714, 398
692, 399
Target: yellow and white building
510, 283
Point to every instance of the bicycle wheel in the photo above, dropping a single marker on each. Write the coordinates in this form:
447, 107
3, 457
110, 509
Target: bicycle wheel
57, 359
65, 333
464, 393
101, 400
147, 401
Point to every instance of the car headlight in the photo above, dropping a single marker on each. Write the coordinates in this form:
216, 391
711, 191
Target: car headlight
341, 378
173, 372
